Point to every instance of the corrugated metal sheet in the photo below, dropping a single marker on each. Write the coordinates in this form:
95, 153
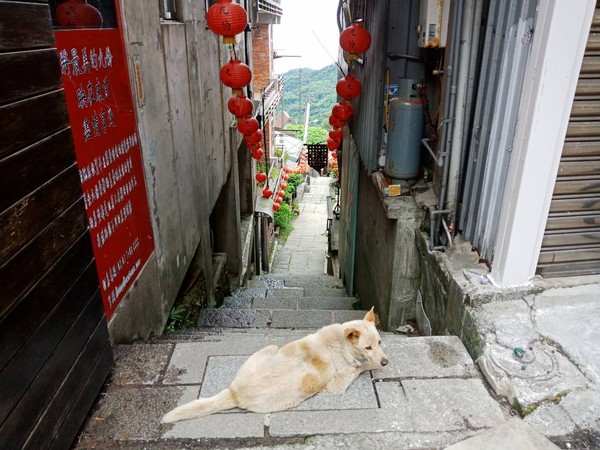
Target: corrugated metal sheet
571, 244
506, 47
392, 26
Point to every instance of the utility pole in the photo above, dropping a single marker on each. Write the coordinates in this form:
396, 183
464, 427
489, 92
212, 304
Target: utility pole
306, 117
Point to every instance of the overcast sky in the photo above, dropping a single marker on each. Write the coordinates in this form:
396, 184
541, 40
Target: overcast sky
293, 36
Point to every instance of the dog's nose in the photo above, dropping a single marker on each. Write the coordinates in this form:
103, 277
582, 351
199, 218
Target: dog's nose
384, 362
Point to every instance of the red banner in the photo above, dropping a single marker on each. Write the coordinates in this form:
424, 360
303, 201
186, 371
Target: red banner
96, 83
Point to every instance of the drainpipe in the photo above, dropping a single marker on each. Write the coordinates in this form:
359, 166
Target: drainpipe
473, 74
461, 99
450, 96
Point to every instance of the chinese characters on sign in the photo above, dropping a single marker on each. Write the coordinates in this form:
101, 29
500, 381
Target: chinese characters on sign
100, 107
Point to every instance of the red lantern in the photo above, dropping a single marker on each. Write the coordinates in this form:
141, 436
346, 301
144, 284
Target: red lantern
336, 134
280, 193
261, 177
253, 138
335, 122
334, 154
266, 192
348, 87
342, 110
247, 125
283, 185
278, 200
78, 14
226, 19
285, 176
287, 169
258, 153
236, 75
254, 146
240, 105
276, 206
355, 40
332, 144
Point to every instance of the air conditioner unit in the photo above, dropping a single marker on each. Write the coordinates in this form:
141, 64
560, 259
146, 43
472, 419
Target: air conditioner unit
433, 23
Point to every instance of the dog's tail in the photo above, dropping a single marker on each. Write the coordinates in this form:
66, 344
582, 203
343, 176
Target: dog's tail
202, 407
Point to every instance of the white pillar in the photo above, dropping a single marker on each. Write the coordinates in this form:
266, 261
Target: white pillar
559, 42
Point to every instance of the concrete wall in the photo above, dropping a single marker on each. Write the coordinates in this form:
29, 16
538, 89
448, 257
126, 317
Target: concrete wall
387, 270
184, 129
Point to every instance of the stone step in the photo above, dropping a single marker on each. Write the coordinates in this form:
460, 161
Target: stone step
268, 292
326, 303
316, 285
265, 281
274, 318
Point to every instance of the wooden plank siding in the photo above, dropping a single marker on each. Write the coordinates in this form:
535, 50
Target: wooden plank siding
53, 334
571, 243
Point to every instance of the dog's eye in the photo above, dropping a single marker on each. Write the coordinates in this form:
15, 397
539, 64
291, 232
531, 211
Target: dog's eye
369, 348
379, 342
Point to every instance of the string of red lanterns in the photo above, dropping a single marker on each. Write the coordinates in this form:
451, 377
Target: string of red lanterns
227, 19
354, 40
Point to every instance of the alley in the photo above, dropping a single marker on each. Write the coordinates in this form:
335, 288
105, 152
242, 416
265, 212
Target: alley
431, 395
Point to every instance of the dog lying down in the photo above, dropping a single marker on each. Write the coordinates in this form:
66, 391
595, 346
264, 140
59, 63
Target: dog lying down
274, 379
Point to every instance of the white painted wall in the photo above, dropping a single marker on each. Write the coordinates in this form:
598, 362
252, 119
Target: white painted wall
559, 42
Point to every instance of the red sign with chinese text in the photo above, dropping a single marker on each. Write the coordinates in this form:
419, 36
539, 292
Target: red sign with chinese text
96, 84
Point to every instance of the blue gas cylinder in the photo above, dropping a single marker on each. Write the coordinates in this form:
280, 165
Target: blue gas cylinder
405, 131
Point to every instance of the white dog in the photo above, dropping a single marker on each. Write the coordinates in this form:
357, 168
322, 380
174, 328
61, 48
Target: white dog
274, 379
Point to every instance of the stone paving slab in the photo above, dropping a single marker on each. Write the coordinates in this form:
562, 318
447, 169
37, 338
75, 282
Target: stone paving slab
234, 318
513, 434
285, 302
275, 303
451, 404
427, 357
301, 318
326, 302
286, 292
341, 316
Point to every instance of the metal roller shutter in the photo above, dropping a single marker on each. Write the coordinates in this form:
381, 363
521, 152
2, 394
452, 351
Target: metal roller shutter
571, 244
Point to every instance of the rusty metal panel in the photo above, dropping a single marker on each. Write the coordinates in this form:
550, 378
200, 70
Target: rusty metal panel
574, 238
571, 243
577, 167
581, 148
584, 130
570, 255
568, 222
585, 109
571, 205
575, 187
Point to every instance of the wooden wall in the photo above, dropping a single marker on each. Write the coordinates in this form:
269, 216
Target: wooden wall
55, 352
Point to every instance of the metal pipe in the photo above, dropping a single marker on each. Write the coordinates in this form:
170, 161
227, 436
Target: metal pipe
439, 161
432, 218
446, 136
473, 75
461, 98
448, 234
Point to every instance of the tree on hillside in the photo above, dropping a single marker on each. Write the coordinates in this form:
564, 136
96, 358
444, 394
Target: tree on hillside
318, 86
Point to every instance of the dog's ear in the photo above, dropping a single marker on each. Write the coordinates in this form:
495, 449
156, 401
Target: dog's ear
370, 316
352, 334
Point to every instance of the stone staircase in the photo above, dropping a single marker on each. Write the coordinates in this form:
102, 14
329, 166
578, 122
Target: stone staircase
290, 301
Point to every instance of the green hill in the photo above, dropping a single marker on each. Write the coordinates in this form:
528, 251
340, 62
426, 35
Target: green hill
318, 86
